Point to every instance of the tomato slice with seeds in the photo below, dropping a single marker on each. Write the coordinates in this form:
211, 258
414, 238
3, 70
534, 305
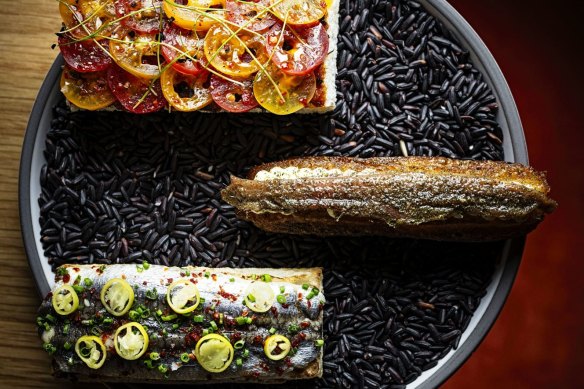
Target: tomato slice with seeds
136, 53
190, 14
296, 90
187, 41
298, 51
86, 90
140, 15
231, 96
254, 12
228, 53
94, 14
84, 56
299, 12
135, 94
186, 93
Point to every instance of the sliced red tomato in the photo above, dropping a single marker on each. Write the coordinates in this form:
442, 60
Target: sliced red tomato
186, 93
183, 41
136, 53
297, 91
254, 15
84, 17
299, 12
84, 56
86, 90
298, 51
145, 21
229, 55
135, 94
233, 97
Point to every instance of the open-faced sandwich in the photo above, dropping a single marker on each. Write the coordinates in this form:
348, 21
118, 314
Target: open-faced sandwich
146, 322
230, 55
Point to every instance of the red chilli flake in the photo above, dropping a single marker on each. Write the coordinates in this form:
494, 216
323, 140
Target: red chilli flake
226, 295
66, 278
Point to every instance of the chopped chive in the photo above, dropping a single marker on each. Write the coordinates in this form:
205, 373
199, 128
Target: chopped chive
148, 364
78, 289
202, 300
88, 282
87, 322
49, 348
175, 326
184, 357
139, 268
154, 335
95, 331
248, 320
154, 356
145, 265
205, 332
62, 271
266, 278
281, 298
310, 295
282, 289
239, 344
272, 331
70, 361
251, 298
240, 320
164, 332
198, 318
169, 317
305, 286
293, 328
159, 312
213, 325
145, 313
162, 368
134, 315
221, 318
232, 279
239, 362
319, 343
66, 329
207, 274
187, 272
315, 290
152, 294
245, 353
67, 346
108, 320
50, 318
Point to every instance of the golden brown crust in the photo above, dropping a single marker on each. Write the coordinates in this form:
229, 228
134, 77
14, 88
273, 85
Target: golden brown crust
419, 197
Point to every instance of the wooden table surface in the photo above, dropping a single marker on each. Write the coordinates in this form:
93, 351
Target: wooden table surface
26, 35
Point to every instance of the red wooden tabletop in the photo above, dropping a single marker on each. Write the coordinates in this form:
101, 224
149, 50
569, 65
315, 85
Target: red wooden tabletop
538, 339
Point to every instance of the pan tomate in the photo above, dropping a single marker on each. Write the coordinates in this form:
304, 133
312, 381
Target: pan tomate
232, 55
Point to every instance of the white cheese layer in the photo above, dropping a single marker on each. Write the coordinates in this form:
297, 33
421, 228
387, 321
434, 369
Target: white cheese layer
293, 173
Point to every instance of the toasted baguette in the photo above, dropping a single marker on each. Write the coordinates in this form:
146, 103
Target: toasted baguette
416, 197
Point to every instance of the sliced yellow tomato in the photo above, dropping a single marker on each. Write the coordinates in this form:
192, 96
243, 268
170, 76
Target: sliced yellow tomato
276, 347
117, 296
93, 14
214, 353
259, 296
228, 53
198, 15
299, 12
86, 90
131, 341
297, 91
91, 351
184, 92
135, 53
65, 300
183, 296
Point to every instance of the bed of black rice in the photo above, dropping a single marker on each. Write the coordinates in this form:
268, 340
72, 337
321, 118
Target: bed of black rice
120, 188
